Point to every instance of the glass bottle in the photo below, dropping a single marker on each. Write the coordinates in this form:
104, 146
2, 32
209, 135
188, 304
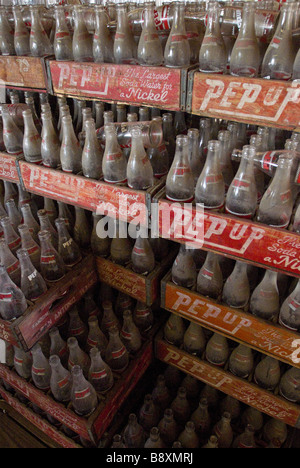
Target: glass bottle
62, 37
169, 136
180, 179
10, 262
90, 308
41, 370
202, 419
96, 337
279, 58
82, 232
236, 290
22, 363
267, 373
50, 145
120, 247
64, 111
77, 328
70, 151
92, 153
241, 361
32, 283
67, 247
11, 237
125, 47
103, 45
223, 431
194, 340
168, 428
100, 374
154, 440
296, 67
30, 221
148, 415
161, 394
181, 407
24, 198
6, 34
139, 169
143, 317
46, 225
12, 135
276, 205
40, 44
32, 140
116, 355
83, 395
50, 209
225, 157
265, 301
60, 381
212, 442
275, 429
150, 51
130, 334
184, 272
52, 266
188, 436
65, 213
245, 55
210, 277
210, 187
289, 385
142, 256
13, 213
118, 442
134, 436
58, 346
246, 439
213, 54
177, 53
13, 303
114, 163
195, 160
100, 245
217, 350
77, 356
82, 44
289, 315
174, 330
21, 33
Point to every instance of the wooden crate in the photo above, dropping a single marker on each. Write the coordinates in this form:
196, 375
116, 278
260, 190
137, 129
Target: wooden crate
51, 307
8, 168
240, 389
236, 324
23, 72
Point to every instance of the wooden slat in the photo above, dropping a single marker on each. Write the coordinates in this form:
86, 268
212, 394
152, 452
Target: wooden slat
23, 72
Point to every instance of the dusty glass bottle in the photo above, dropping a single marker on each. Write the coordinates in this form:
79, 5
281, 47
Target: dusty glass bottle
11, 237
32, 140
96, 337
241, 361
217, 350
154, 440
13, 303
77, 328
40, 44
223, 431
21, 33
139, 170
60, 381
161, 394
13, 213
181, 407
289, 386
100, 374
212, 54
177, 52
143, 316
194, 340
6, 34
180, 179
225, 157
236, 290
246, 439
30, 221
62, 38
32, 282
120, 247
202, 419
116, 355
150, 51
114, 163
100, 245
41, 370
212, 442
52, 266
174, 330
168, 427
142, 256
109, 319
103, 45
184, 272
125, 47
70, 151
22, 363
12, 135
267, 373
83, 395
50, 145
82, 232
210, 277
11, 263
265, 301
47, 226
130, 334
58, 346
188, 436
195, 160
77, 356
82, 43
149, 413
92, 152
134, 436
289, 315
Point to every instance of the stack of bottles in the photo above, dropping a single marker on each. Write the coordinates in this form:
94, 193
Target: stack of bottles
265, 371
267, 294
181, 412
264, 43
80, 357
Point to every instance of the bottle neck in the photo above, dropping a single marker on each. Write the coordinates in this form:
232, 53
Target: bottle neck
248, 25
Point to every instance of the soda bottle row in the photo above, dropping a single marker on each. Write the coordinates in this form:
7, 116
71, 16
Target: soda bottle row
243, 362
171, 36
267, 294
179, 411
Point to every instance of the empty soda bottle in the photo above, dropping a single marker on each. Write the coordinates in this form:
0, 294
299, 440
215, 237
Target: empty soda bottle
188, 437
120, 247
289, 386
275, 429
130, 334
296, 67
24, 198
180, 179
109, 319
32, 140
276, 205
149, 413
154, 440
100, 374
280, 55
177, 52
217, 350
77, 328
139, 169
150, 51
51, 210
181, 407
142, 256
12, 134
159, 157
60, 381
52, 266
96, 337
77, 356
114, 162
65, 213
210, 187
161, 394
41, 370
134, 436
64, 111
241, 361
50, 146
46, 225
82, 44
143, 317
13, 302
40, 44
184, 272
6, 34
90, 308
246, 439
22, 363
32, 282
245, 55
92, 153
118, 442
30, 221
210, 277
264, 301
169, 136
236, 291
202, 419
168, 427
58, 346
70, 151
82, 232
289, 315
212, 442
13, 213
125, 47
116, 355
62, 37
241, 199
225, 157
21, 33
195, 160
100, 245
103, 45
223, 430
267, 373
194, 340
174, 330
213, 54
11, 263
11, 237
67, 247
83, 395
